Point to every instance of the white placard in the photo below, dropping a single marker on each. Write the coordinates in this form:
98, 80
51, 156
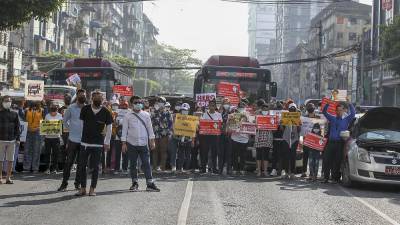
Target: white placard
34, 90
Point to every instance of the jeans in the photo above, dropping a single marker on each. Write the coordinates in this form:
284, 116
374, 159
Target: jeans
209, 144
277, 146
72, 152
239, 155
184, 150
118, 152
52, 148
306, 154
172, 150
160, 153
106, 157
225, 153
133, 153
94, 154
288, 157
314, 162
194, 162
333, 159
32, 151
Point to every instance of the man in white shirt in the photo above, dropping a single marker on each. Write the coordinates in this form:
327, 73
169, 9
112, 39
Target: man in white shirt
137, 135
210, 142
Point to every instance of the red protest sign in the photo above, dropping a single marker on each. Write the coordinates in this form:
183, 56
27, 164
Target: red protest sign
248, 128
314, 141
228, 89
123, 90
210, 127
332, 106
267, 122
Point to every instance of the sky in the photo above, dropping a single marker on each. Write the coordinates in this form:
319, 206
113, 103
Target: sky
211, 27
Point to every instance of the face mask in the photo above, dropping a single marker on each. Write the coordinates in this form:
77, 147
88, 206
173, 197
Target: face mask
226, 107
264, 112
7, 105
316, 130
241, 110
53, 110
156, 107
137, 107
81, 99
310, 110
115, 108
177, 108
97, 103
185, 112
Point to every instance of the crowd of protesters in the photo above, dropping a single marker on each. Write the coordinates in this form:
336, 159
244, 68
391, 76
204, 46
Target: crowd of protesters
121, 135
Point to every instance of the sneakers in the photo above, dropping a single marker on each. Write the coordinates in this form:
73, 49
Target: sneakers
284, 175
134, 187
47, 172
173, 169
266, 173
274, 173
62, 188
158, 169
124, 172
258, 173
152, 188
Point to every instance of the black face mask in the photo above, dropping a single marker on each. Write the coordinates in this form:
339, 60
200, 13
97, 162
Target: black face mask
97, 103
81, 99
310, 110
53, 110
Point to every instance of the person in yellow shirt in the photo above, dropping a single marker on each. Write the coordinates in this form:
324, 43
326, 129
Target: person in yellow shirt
33, 115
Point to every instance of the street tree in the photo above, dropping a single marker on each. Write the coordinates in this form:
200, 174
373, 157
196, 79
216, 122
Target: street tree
13, 13
390, 44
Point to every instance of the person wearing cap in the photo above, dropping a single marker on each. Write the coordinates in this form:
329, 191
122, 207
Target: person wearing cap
291, 136
52, 142
185, 145
225, 150
209, 144
168, 106
121, 113
162, 124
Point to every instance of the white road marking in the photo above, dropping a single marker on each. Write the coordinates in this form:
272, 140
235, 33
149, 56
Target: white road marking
219, 212
184, 210
375, 210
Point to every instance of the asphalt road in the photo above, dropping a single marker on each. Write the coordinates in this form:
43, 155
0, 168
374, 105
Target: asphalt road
198, 200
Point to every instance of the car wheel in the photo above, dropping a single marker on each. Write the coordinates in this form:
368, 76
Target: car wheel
346, 180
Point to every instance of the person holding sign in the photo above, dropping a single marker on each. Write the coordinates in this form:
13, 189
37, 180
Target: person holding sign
334, 152
225, 150
210, 142
52, 141
263, 144
314, 154
239, 144
9, 137
185, 145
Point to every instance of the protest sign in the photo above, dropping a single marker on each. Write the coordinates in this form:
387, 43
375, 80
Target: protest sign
73, 79
123, 90
50, 127
233, 123
267, 122
203, 99
210, 127
308, 123
23, 129
332, 106
248, 128
314, 141
277, 113
291, 118
228, 89
185, 125
339, 95
234, 100
34, 90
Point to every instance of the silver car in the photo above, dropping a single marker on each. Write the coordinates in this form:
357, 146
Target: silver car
372, 153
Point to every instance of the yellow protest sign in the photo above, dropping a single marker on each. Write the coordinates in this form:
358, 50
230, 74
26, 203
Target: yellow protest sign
291, 118
185, 125
50, 127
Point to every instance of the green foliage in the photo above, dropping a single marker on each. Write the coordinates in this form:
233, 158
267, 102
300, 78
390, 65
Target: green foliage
390, 44
78, 30
13, 13
125, 63
153, 87
51, 60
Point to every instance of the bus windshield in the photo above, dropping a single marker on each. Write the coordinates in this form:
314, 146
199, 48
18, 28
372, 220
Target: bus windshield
57, 93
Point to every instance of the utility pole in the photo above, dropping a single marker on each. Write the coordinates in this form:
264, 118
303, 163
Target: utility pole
361, 100
319, 75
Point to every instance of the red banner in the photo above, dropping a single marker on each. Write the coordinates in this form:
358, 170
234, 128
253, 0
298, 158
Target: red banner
248, 128
332, 106
123, 90
228, 89
210, 127
267, 122
314, 141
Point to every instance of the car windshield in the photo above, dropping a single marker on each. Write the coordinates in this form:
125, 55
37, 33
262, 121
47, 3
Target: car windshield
381, 136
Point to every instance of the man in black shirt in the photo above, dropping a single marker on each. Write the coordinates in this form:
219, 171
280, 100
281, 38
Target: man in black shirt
95, 119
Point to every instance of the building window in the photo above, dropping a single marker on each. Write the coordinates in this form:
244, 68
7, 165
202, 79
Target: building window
352, 36
352, 21
5, 39
4, 55
340, 35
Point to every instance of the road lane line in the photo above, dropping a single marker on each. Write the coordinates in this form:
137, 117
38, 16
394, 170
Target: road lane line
184, 210
375, 210
219, 212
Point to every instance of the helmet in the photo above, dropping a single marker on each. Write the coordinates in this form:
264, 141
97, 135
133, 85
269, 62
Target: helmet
167, 104
185, 106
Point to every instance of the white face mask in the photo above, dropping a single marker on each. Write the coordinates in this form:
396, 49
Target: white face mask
115, 108
185, 112
7, 105
316, 130
241, 110
226, 107
156, 107
264, 112
137, 107
177, 108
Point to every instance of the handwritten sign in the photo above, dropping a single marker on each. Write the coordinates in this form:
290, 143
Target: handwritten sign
314, 141
203, 99
123, 90
185, 125
210, 127
233, 123
248, 128
291, 119
267, 122
50, 127
34, 90
332, 106
74, 79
